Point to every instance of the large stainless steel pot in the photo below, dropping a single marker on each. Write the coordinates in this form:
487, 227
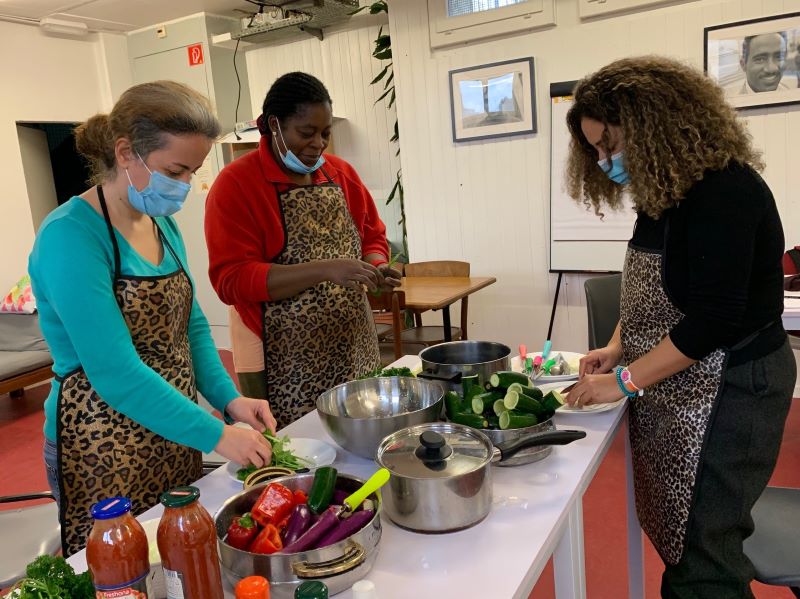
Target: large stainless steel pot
441, 473
338, 565
359, 414
448, 362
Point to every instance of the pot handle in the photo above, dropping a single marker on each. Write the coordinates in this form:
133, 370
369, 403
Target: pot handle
434, 375
353, 556
558, 437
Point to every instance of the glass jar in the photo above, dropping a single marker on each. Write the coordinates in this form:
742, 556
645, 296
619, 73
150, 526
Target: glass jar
116, 551
187, 542
252, 587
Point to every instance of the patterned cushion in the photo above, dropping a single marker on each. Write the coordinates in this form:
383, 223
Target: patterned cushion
20, 299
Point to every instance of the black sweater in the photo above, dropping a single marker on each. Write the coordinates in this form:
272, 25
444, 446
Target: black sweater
722, 265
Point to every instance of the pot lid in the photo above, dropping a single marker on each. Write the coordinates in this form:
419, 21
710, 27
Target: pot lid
434, 450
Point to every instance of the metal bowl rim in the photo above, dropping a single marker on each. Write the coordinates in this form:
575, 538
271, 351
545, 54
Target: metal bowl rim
462, 344
423, 382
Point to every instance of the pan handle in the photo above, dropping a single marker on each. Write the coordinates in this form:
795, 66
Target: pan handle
558, 437
434, 375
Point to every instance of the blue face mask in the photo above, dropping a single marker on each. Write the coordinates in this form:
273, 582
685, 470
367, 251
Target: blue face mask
163, 196
293, 163
616, 170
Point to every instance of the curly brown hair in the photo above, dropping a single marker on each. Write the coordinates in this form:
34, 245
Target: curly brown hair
675, 124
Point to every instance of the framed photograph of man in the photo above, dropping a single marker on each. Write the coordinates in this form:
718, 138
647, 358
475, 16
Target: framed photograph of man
757, 62
493, 100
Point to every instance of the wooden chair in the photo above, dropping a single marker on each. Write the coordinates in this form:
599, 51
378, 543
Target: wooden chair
390, 307
433, 335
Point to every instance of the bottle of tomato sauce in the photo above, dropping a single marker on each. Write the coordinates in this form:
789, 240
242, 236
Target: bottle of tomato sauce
116, 552
187, 542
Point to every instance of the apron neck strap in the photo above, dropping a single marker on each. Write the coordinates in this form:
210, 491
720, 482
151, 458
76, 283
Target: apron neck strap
101, 196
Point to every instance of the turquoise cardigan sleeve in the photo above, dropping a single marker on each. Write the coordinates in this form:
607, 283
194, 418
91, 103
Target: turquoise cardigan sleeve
72, 271
213, 380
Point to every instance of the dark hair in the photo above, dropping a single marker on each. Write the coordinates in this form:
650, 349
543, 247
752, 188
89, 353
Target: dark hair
143, 114
749, 38
288, 95
675, 123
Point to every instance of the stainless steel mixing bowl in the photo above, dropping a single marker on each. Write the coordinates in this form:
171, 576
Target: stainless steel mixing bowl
359, 414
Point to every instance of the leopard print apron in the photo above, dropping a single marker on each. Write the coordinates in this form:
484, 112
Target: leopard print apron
668, 423
103, 453
325, 335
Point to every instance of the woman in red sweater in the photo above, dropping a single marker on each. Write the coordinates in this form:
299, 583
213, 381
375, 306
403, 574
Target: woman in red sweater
294, 238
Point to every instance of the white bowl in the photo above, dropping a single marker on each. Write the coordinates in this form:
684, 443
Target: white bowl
318, 453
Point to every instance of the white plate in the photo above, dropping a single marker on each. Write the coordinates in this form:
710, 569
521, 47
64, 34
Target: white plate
569, 356
590, 409
315, 451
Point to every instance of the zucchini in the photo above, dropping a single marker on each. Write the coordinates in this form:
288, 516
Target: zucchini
532, 392
517, 387
512, 419
452, 403
319, 497
467, 383
506, 378
484, 402
552, 401
494, 421
473, 420
499, 407
522, 403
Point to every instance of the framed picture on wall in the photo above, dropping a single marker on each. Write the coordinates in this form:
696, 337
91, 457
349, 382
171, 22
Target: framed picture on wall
757, 62
493, 100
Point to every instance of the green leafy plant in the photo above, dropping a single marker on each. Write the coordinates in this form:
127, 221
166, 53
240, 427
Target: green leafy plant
51, 577
383, 51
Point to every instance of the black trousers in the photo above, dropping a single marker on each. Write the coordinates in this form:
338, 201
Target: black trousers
739, 457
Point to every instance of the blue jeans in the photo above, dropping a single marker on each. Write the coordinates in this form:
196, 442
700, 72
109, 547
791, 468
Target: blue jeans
51, 465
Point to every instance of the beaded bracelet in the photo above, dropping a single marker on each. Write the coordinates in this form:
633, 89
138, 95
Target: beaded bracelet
626, 384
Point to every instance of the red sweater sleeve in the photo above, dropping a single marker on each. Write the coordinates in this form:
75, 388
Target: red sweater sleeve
236, 232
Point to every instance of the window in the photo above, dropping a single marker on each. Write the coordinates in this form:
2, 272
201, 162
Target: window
466, 7
463, 21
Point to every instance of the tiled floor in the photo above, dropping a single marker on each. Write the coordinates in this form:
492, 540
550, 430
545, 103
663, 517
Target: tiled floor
603, 506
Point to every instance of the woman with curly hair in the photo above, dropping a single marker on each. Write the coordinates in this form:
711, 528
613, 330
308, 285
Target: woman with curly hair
709, 371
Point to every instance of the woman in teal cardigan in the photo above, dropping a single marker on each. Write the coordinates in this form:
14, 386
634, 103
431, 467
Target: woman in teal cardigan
130, 344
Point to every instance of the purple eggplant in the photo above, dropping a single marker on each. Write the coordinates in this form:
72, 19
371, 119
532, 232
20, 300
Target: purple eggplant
339, 495
328, 519
299, 522
345, 528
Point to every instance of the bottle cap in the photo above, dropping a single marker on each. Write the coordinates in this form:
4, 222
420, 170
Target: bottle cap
112, 507
364, 589
311, 589
180, 496
252, 587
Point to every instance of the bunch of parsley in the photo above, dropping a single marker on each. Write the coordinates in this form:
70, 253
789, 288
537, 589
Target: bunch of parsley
50, 577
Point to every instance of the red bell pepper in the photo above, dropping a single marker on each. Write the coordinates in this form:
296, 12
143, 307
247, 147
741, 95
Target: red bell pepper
274, 503
268, 541
300, 497
241, 532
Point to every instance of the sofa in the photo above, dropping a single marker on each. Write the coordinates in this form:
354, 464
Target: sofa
24, 357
